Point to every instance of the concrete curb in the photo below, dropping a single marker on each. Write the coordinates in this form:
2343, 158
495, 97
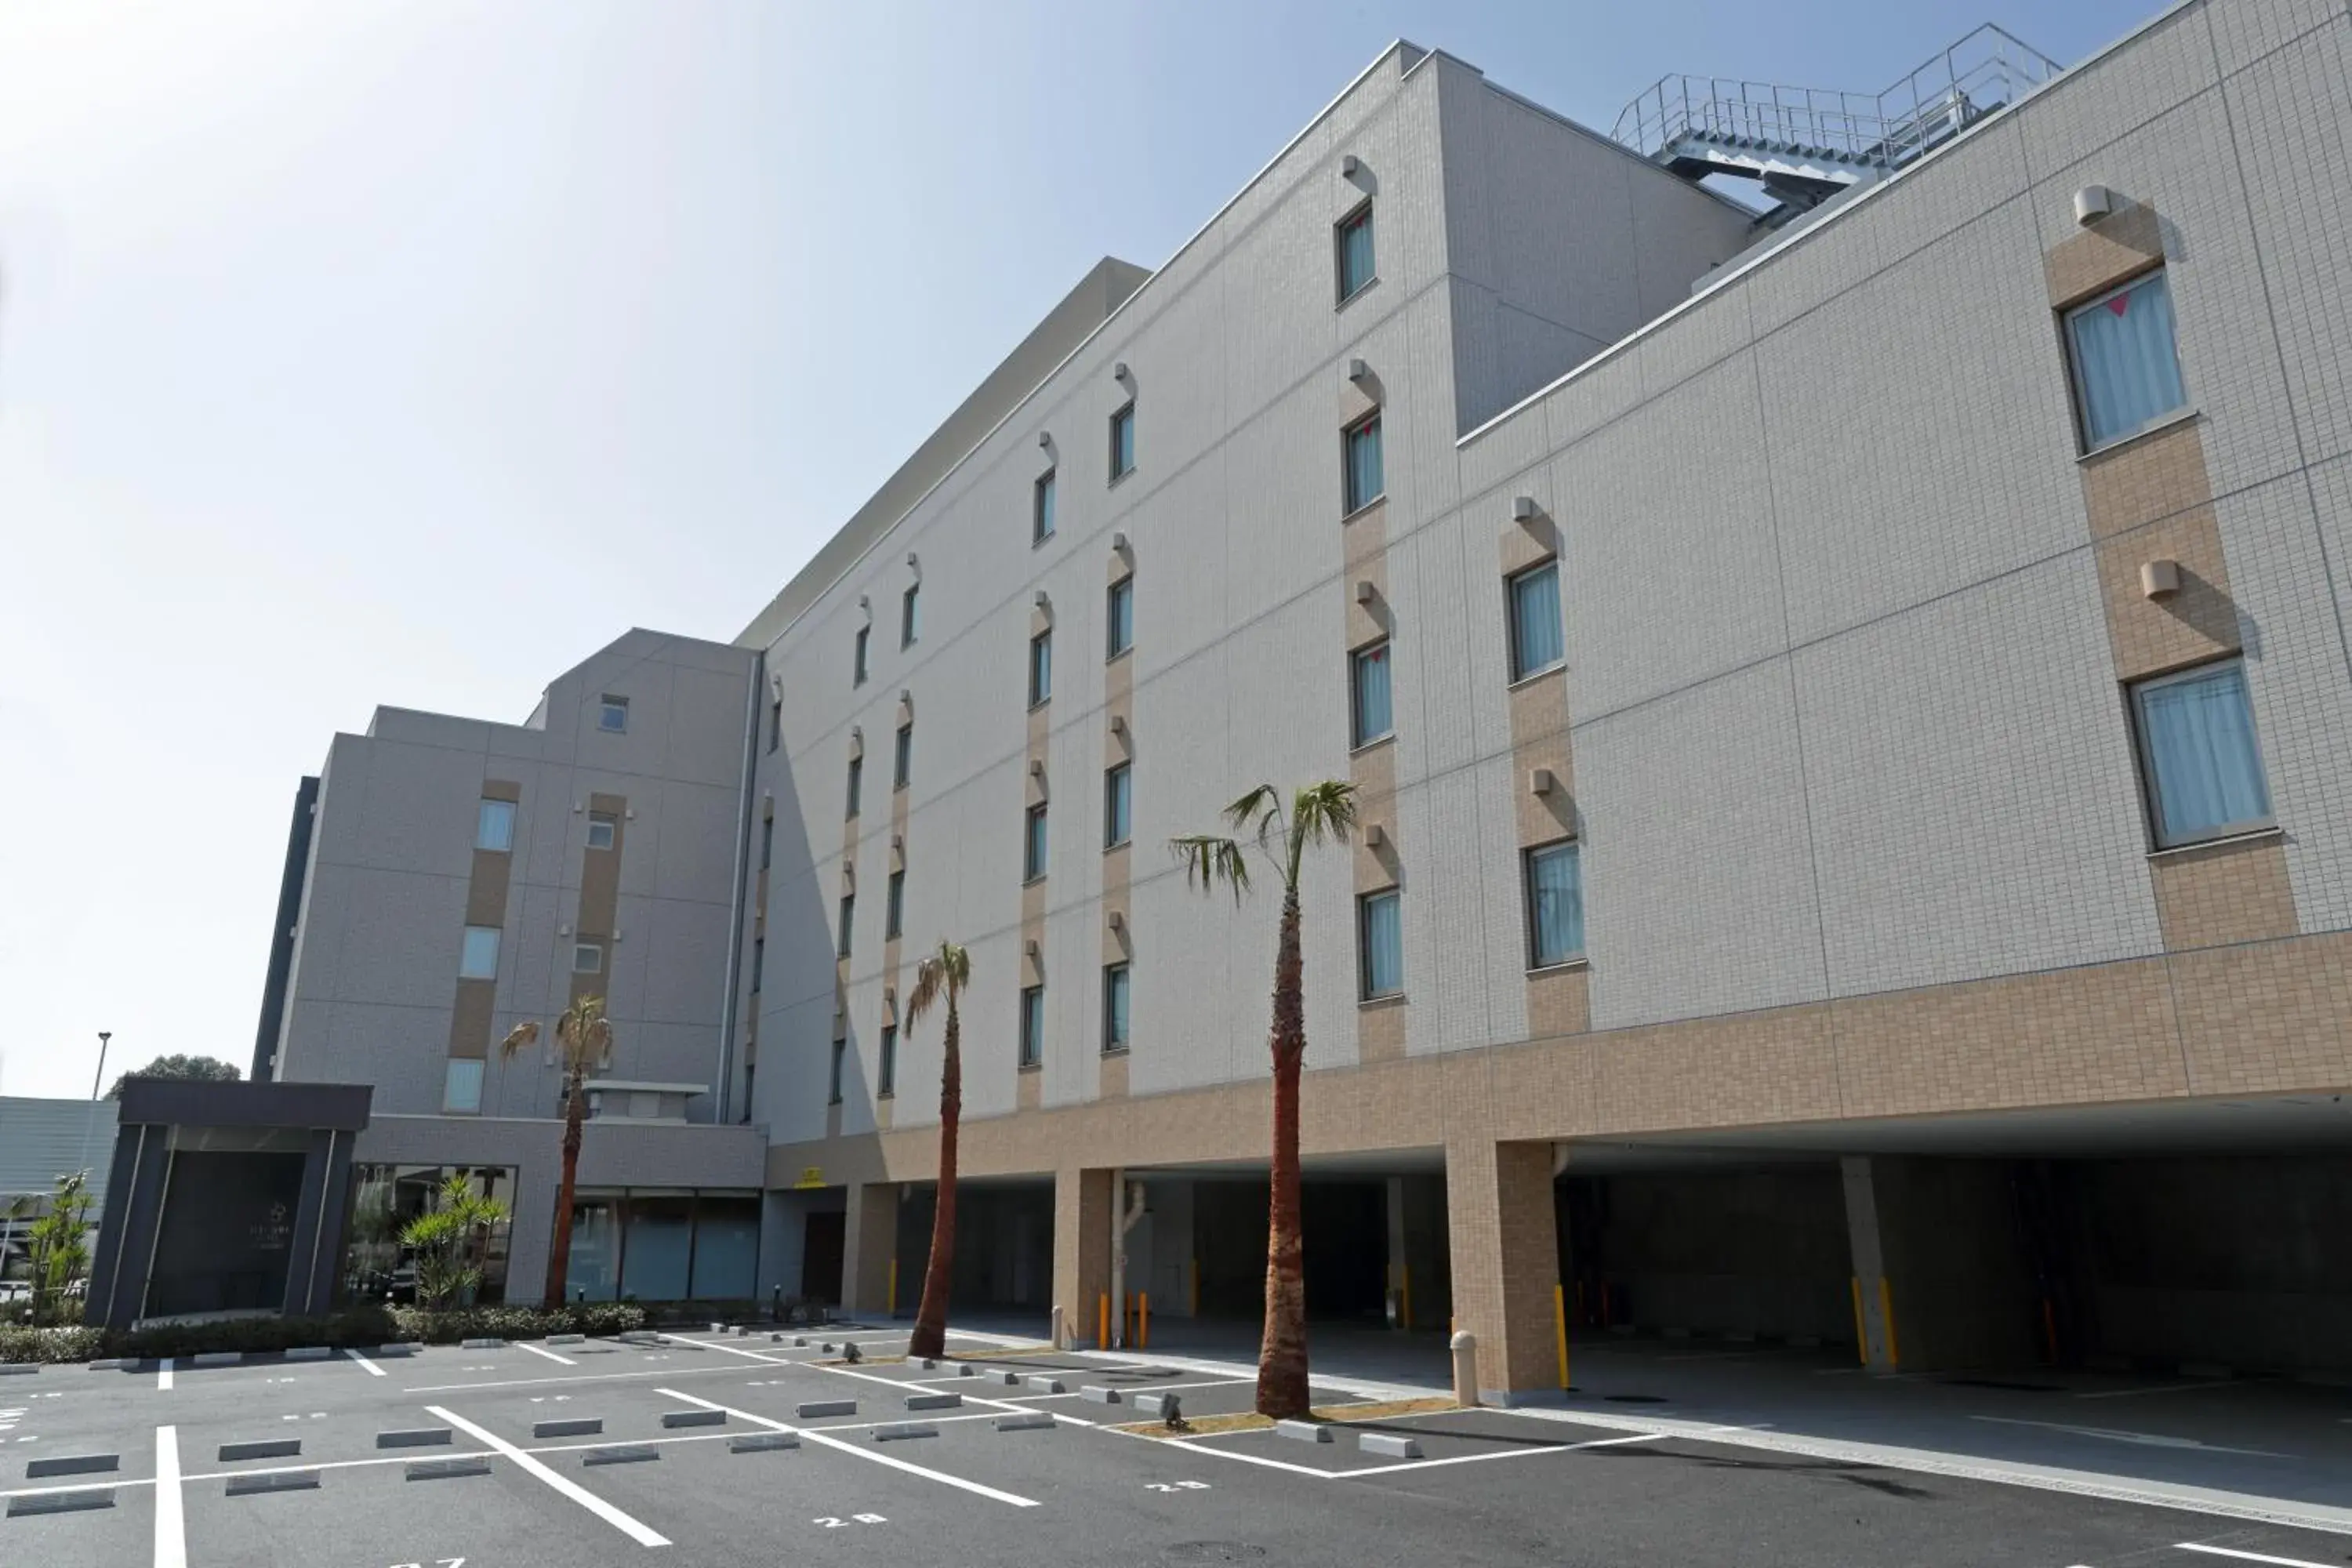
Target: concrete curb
567, 1338
816, 1407
309, 1352
447, 1469
694, 1418
762, 1442
272, 1481
1028, 1421
898, 1429
1389, 1445
413, 1438
18, 1368
265, 1448
114, 1363
933, 1401
580, 1426
1096, 1394
75, 1502
218, 1358
481, 1345
634, 1454
1303, 1431
72, 1464
1046, 1386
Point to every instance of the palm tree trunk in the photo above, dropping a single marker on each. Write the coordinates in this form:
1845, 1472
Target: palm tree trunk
930, 1335
559, 1252
1282, 1355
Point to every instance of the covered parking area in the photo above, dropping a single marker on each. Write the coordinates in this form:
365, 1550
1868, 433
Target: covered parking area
2158, 1237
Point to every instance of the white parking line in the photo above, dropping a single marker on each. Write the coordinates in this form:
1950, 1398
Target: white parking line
2154, 1388
2247, 1556
640, 1533
584, 1377
813, 1435
171, 1527
550, 1355
372, 1368
163, 1376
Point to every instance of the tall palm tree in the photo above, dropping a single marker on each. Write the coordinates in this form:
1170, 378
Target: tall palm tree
583, 1038
940, 978
1319, 812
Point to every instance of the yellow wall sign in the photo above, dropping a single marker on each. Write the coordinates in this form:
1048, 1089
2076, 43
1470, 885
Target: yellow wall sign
811, 1176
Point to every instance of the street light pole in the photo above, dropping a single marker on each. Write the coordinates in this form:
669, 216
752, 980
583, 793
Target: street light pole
103, 1036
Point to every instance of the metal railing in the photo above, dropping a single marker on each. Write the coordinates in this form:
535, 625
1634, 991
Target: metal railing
1983, 71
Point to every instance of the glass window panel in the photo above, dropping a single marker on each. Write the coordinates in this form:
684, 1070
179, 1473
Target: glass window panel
1041, 668
1370, 678
660, 1237
848, 915
1033, 848
600, 830
840, 1055
886, 1079
1555, 904
1356, 251
1115, 993
1033, 1025
858, 667
767, 842
1118, 802
1042, 520
726, 1247
857, 783
613, 714
1121, 618
1122, 441
1382, 939
1537, 640
495, 827
1366, 483
2204, 766
903, 763
587, 958
894, 904
910, 615
461, 1089
2126, 366
478, 958
593, 1273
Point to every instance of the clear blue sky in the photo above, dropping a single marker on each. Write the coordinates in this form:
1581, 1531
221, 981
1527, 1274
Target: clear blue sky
362, 353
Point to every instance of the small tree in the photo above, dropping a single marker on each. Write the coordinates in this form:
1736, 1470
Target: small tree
940, 978
59, 1244
583, 1038
203, 1070
451, 1241
1318, 812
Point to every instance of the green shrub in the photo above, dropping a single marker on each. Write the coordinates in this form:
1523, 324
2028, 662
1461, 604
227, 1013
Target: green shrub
51, 1346
358, 1326
516, 1323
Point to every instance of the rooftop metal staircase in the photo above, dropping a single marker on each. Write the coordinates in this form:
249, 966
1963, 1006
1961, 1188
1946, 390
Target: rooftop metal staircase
1804, 146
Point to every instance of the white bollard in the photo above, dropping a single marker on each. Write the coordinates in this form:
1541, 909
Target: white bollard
1466, 1368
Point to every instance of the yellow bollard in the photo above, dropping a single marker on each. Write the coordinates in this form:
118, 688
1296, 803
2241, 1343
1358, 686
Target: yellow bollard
1886, 1315
1559, 1331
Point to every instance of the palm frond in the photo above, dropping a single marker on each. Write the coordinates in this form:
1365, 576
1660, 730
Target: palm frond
941, 977
1209, 860
585, 1034
1323, 810
1254, 811
522, 1037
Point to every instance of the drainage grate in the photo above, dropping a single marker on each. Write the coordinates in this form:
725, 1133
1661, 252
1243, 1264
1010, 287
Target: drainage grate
1213, 1552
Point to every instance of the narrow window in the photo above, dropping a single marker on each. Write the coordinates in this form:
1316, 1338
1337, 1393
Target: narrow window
1032, 843
1120, 619
1365, 482
775, 722
2198, 757
1114, 1007
1354, 243
1118, 803
910, 623
613, 714
857, 783
833, 1091
1368, 679
848, 913
893, 905
587, 958
1122, 443
1555, 905
494, 828
1536, 643
2126, 366
1041, 668
478, 958
1041, 510
887, 1074
857, 656
1033, 1025
601, 829
758, 961
902, 762
461, 1089
767, 842
749, 1069
1381, 935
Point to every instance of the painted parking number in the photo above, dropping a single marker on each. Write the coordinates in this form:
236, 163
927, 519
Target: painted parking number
831, 1524
1176, 1485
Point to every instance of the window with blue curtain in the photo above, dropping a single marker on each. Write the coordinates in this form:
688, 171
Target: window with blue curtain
1355, 243
1555, 905
1033, 848
494, 828
2126, 366
1369, 701
1041, 513
1115, 1007
1122, 442
1381, 935
1536, 641
1041, 668
1119, 802
1369, 683
1365, 482
1121, 617
1033, 1025
2203, 767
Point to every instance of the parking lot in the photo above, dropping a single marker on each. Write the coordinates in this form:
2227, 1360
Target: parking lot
743, 1448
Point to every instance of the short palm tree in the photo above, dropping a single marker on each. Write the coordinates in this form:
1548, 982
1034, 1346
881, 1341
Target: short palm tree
583, 1038
1319, 812
940, 978
450, 1242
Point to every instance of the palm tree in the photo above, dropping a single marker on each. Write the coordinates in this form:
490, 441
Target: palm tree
451, 1240
941, 977
584, 1037
1318, 812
